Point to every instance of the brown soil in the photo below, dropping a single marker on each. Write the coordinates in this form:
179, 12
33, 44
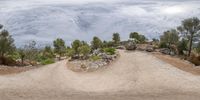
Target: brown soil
13, 70
179, 63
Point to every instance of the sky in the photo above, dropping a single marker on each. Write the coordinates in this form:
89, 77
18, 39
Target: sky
46, 20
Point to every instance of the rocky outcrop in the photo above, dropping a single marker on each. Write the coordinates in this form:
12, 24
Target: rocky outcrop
130, 45
88, 65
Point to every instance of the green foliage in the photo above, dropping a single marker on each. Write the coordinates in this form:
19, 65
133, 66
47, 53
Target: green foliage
109, 51
116, 38
22, 55
59, 46
47, 61
96, 43
139, 38
163, 45
30, 50
107, 44
95, 58
75, 45
198, 48
169, 38
7, 45
189, 29
44, 60
79, 48
182, 46
142, 38
85, 50
48, 52
70, 52
134, 35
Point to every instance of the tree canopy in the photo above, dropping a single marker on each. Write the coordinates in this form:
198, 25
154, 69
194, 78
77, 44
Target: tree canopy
6, 43
59, 46
116, 38
96, 43
138, 37
169, 38
190, 29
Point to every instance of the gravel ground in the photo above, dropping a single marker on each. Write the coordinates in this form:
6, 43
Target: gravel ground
136, 75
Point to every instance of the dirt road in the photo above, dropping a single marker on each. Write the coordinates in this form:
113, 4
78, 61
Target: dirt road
136, 75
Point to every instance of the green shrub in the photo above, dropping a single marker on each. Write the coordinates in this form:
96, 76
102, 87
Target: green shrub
71, 52
44, 60
163, 45
109, 51
47, 61
95, 58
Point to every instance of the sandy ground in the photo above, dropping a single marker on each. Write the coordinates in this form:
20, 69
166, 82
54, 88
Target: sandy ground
135, 76
4, 70
179, 63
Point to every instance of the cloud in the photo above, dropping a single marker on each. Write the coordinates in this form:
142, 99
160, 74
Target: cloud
44, 20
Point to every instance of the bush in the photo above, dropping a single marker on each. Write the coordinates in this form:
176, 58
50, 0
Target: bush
47, 61
70, 52
7, 61
163, 45
109, 51
44, 60
95, 58
182, 46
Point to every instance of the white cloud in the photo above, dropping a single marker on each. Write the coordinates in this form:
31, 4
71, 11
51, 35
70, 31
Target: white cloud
45, 20
133, 11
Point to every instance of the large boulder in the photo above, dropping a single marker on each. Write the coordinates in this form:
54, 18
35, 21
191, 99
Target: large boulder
165, 51
130, 45
149, 48
168, 51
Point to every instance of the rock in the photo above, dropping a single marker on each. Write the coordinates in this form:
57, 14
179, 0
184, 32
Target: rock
165, 51
172, 53
131, 45
149, 48
97, 52
121, 47
92, 66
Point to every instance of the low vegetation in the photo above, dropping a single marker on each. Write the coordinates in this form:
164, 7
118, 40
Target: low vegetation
181, 41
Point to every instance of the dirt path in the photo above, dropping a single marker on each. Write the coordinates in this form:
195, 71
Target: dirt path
179, 63
136, 75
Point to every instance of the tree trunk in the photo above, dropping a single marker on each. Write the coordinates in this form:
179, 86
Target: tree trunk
22, 59
190, 45
59, 57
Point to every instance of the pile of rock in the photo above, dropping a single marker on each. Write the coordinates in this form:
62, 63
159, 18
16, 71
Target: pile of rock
107, 58
88, 65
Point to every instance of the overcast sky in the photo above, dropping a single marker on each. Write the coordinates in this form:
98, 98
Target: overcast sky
45, 20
